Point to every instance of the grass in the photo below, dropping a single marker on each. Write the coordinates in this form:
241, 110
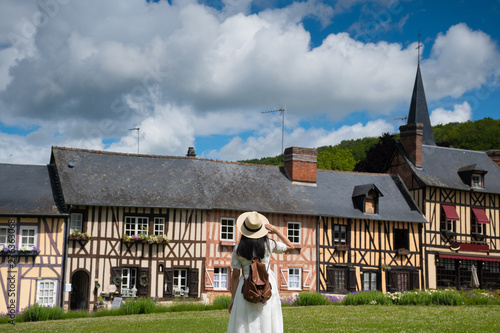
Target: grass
362, 318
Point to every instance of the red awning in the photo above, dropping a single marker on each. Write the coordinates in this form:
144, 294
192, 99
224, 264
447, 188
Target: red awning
450, 256
480, 215
451, 213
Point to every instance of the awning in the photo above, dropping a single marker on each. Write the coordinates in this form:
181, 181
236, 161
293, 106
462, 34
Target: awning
451, 213
480, 215
451, 256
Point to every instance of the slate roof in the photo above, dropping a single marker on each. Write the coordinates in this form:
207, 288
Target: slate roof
418, 110
440, 168
28, 190
114, 179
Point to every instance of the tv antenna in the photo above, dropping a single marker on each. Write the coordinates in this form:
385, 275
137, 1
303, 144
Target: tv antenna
281, 111
402, 118
138, 130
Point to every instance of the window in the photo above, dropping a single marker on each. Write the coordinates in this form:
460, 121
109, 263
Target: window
446, 273
76, 220
159, 226
220, 278
294, 232
180, 279
340, 279
28, 236
4, 231
369, 281
136, 225
46, 292
339, 234
403, 281
475, 226
294, 279
448, 217
476, 180
129, 280
371, 202
227, 229
401, 239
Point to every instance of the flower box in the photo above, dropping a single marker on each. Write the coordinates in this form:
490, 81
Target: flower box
403, 252
342, 247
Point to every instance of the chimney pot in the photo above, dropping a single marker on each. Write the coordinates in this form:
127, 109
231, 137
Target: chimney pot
191, 152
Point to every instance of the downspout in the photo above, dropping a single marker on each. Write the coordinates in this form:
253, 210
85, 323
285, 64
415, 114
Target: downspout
317, 254
65, 256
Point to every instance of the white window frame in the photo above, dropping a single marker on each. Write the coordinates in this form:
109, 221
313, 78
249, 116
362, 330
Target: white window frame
180, 278
294, 278
369, 284
129, 280
4, 239
227, 234
221, 278
134, 225
476, 180
76, 222
159, 226
46, 292
293, 227
22, 237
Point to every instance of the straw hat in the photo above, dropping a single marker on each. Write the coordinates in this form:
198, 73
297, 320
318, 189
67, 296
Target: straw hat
251, 225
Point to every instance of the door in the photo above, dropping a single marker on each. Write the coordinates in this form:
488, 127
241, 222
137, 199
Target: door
80, 291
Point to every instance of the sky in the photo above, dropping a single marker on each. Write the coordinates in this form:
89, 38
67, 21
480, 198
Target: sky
213, 74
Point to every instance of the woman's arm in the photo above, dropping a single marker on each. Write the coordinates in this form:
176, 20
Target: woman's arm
274, 230
235, 277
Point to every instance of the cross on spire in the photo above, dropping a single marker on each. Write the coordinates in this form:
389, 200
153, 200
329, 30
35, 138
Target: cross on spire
418, 47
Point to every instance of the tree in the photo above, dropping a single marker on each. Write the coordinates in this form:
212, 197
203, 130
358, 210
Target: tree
336, 158
377, 155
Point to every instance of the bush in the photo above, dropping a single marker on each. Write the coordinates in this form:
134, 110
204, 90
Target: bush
41, 313
139, 306
367, 297
309, 298
222, 302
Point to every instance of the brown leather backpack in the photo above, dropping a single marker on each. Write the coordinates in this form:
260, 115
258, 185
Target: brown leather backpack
256, 288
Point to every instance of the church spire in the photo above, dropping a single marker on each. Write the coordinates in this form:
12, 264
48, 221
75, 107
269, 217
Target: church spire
418, 106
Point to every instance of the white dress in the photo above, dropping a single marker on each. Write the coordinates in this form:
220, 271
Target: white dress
256, 317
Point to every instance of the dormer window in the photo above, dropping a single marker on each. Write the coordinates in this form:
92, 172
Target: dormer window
477, 180
366, 198
472, 176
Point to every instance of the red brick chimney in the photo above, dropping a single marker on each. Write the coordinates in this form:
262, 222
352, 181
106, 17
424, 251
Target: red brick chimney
411, 136
494, 155
301, 164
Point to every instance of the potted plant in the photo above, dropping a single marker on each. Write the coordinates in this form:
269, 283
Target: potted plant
403, 252
341, 247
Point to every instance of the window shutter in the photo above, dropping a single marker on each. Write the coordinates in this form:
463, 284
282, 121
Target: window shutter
38, 291
116, 271
415, 280
143, 290
352, 279
330, 279
391, 282
169, 282
193, 282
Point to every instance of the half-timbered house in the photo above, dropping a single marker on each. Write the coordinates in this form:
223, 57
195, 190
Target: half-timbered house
32, 226
459, 193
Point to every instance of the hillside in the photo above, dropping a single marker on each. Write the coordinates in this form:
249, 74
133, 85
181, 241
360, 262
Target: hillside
350, 155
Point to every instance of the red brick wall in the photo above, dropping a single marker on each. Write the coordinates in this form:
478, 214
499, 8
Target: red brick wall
301, 164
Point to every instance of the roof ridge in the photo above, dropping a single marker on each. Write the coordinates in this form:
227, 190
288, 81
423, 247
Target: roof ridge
459, 149
104, 152
356, 172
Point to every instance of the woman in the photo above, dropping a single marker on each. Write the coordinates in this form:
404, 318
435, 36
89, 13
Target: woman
246, 316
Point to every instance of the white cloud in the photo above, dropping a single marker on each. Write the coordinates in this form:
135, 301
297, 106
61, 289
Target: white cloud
461, 113
95, 69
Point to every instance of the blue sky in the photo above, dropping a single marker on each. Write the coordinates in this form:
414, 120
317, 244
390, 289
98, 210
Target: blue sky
200, 73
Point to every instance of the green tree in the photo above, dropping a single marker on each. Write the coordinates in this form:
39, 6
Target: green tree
335, 158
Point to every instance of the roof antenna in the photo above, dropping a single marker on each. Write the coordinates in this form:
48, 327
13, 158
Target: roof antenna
403, 119
418, 47
281, 110
136, 129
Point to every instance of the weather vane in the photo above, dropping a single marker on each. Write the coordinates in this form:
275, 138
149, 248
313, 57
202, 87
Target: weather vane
419, 45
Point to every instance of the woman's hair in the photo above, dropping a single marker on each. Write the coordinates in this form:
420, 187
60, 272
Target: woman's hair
253, 247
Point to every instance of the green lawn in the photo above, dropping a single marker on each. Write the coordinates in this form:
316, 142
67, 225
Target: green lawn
364, 318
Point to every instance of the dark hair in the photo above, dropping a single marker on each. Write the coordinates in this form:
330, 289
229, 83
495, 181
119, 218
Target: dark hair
253, 247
